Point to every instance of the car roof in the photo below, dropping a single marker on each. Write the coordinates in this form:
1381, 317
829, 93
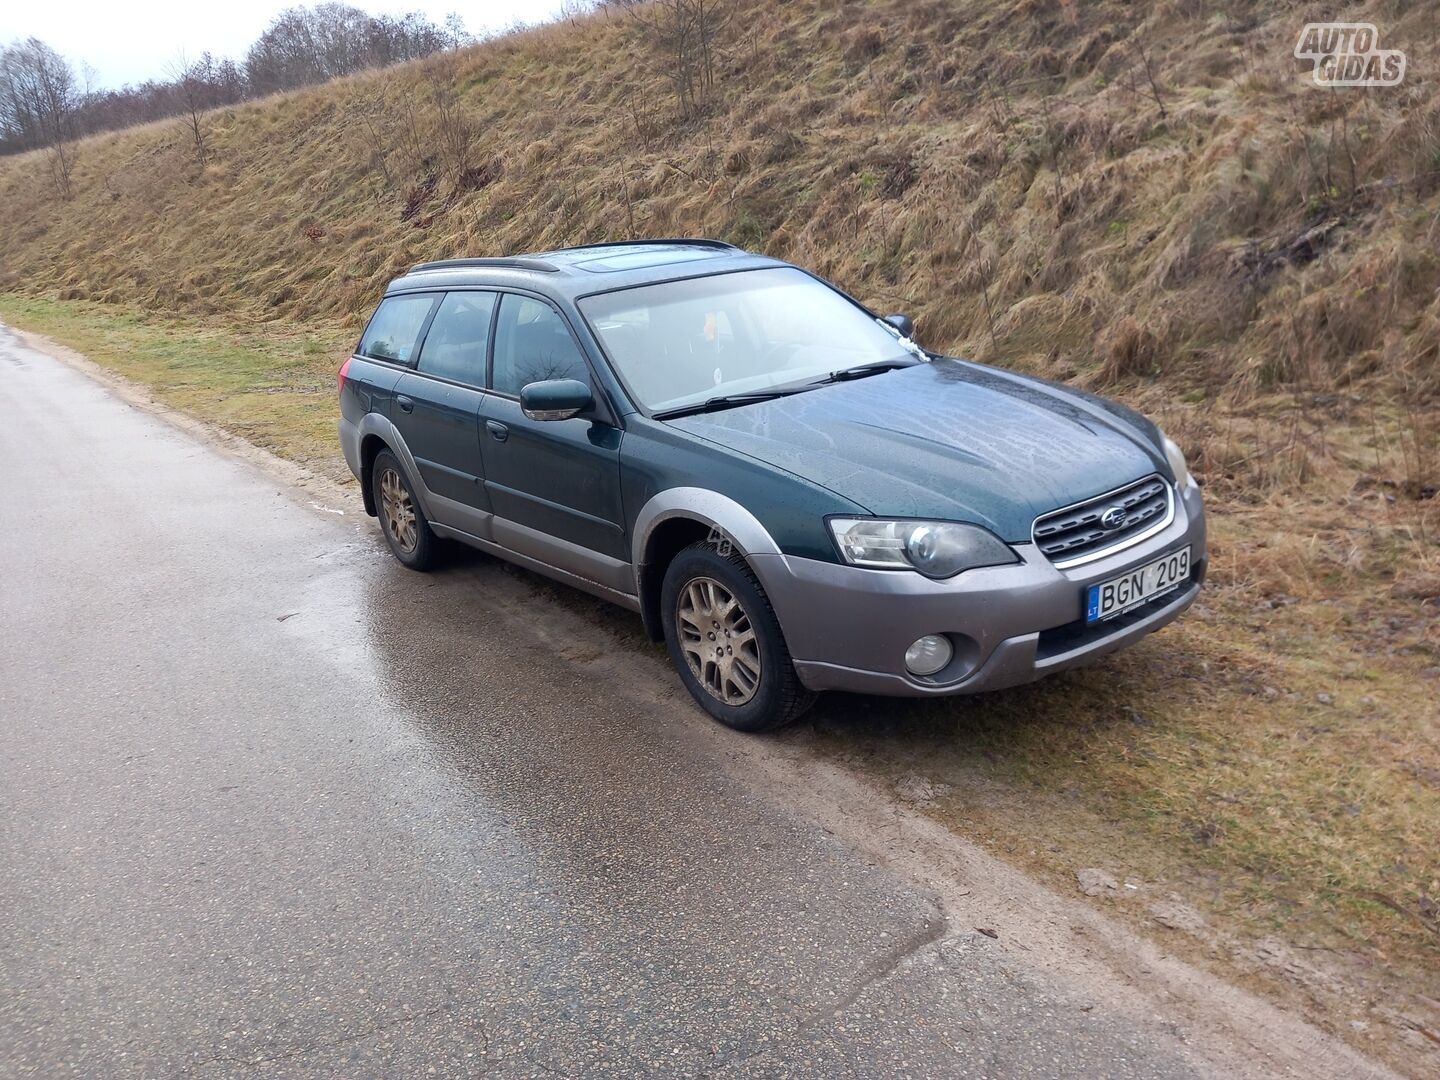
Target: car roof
578, 271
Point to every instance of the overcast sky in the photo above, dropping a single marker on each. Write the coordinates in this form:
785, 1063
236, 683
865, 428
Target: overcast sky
130, 42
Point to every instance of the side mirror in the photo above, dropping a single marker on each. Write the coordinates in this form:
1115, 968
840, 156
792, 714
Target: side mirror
903, 323
555, 399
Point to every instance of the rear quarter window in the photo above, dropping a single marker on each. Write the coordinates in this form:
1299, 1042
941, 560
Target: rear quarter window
395, 328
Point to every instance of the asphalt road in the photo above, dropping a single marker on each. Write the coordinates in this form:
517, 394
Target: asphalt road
272, 805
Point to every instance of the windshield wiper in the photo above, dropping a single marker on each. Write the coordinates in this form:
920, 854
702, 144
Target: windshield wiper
859, 371
730, 401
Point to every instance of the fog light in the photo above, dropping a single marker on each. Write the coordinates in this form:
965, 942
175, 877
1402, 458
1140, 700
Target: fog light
928, 654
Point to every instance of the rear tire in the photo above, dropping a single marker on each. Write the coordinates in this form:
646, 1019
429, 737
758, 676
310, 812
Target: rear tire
726, 643
403, 524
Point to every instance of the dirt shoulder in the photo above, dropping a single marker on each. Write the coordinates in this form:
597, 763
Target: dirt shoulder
1237, 814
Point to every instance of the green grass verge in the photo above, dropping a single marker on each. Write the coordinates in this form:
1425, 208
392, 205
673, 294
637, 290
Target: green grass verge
272, 384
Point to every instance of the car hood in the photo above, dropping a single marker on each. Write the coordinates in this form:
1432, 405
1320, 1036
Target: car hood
947, 439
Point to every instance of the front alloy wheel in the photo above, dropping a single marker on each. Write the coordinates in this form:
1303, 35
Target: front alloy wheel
718, 641
725, 641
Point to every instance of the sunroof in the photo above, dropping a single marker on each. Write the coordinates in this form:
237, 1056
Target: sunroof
634, 258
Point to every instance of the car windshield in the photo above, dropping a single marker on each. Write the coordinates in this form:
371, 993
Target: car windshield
682, 343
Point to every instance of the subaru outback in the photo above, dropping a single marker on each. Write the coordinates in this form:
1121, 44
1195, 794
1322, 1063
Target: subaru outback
791, 493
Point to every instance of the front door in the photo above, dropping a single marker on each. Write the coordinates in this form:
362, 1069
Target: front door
437, 410
554, 485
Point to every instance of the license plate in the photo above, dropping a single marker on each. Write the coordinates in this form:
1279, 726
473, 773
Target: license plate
1110, 598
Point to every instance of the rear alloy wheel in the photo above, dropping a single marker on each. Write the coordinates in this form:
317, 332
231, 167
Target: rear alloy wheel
726, 643
405, 528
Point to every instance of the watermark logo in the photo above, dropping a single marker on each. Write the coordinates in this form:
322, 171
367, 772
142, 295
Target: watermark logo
1349, 54
723, 544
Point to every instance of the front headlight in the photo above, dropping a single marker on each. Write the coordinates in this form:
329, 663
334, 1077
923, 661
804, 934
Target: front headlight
938, 549
1176, 457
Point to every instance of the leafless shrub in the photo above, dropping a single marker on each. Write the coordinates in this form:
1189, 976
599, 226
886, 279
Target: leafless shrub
1144, 70
1149, 69
687, 32
454, 135
645, 118
373, 113
418, 133
408, 124
61, 161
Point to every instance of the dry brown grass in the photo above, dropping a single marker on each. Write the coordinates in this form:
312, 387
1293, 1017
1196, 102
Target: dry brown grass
1250, 259
924, 154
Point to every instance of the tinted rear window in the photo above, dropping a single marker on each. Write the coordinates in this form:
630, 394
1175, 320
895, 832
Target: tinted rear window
395, 327
458, 337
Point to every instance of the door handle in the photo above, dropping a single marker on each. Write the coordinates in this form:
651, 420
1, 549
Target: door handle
406, 404
498, 431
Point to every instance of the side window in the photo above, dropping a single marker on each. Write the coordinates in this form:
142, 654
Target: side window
459, 334
532, 344
395, 326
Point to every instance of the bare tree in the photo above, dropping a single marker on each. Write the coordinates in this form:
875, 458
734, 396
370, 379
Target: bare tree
309, 45
1150, 78
39, 96
193, 80
19, 121
572, 11
300, 46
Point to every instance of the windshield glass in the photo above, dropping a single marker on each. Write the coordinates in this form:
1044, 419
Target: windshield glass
680, 343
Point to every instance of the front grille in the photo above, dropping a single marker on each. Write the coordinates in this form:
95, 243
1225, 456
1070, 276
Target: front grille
1075, 534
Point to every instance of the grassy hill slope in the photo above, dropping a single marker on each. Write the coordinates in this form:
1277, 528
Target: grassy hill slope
1151, 199
922, 153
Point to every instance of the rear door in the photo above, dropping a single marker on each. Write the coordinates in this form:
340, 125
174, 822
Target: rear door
554, 485
386, 348
437, 410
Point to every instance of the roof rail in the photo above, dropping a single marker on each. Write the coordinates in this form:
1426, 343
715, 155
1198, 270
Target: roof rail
499, 264
688, 241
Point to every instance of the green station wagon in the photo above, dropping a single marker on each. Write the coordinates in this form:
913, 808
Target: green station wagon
793, 494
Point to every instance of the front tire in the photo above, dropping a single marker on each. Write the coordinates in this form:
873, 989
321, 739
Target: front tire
726, 643
406, 531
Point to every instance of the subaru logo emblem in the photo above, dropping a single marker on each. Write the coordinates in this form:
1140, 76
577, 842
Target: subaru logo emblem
1113, 517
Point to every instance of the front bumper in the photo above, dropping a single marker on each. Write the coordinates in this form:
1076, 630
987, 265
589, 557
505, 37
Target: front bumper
848, 627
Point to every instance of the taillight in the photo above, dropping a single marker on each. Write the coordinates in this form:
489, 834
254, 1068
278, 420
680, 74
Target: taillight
344, 370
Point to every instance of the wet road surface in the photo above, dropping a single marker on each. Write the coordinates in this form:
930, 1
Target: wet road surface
272, 805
